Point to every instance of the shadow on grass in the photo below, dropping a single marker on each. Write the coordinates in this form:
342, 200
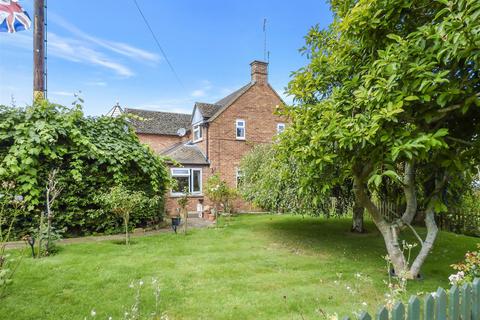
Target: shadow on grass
122, 242
333, 236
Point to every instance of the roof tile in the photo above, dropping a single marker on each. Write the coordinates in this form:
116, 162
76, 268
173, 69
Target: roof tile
157, 122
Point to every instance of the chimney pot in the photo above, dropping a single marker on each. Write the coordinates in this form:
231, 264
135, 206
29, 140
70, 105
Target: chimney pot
259, 71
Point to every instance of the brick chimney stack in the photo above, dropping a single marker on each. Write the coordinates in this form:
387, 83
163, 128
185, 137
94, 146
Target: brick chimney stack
259, 72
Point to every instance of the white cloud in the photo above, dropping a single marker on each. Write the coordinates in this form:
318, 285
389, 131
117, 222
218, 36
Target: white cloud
117, 47
181, 105
78, 51
96, 83
203, 91
198, 93
62, 93
72, 50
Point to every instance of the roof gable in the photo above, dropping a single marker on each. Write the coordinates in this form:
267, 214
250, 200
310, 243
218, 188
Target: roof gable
203, 111
231, 98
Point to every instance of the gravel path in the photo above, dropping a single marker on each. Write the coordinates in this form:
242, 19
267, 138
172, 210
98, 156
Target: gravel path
192, 223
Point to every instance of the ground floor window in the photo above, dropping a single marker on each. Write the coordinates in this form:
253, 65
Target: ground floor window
189, 179
238, 176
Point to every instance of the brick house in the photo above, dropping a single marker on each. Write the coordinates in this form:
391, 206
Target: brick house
214, 138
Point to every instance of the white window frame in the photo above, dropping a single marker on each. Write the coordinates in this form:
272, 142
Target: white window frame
238, 126
197, 128
199, 192
238, 174
280, 127
187, 172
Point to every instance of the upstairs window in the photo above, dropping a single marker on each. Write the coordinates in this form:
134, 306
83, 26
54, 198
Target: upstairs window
197, 133
187, 179
240, 129
280, 127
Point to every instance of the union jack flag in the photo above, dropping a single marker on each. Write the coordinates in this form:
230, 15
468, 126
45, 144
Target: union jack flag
12, 17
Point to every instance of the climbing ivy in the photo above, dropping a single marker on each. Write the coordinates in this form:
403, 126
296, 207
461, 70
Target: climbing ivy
91, 153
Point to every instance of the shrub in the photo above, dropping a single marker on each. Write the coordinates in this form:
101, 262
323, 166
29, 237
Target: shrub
123, 203
220, 193
10, 207
92, 154
468, 269
279, 184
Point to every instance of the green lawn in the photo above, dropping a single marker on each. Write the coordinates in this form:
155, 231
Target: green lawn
258, 267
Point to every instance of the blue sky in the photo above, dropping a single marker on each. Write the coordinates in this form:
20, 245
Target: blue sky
103, 49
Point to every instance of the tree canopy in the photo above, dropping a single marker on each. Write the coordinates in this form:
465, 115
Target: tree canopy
390, 98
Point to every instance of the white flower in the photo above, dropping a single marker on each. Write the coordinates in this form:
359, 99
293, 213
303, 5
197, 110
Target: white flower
93, 313
140, 283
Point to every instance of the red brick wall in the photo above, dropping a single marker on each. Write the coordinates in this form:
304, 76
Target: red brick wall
256, 107
159, 142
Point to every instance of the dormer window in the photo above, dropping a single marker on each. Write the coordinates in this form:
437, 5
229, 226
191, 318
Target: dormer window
197, 133
240, 129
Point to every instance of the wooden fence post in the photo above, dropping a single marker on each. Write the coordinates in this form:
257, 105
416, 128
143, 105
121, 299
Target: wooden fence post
398, 312
441, 305
382, 313
476, 299
429, 311
454, 303
466, 302
413, 308
461, 304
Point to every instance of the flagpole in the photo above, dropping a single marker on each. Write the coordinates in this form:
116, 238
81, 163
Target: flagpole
39, 51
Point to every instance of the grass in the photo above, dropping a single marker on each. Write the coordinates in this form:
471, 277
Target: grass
257, 267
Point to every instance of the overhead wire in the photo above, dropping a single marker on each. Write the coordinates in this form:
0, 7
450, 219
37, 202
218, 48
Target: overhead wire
158, 44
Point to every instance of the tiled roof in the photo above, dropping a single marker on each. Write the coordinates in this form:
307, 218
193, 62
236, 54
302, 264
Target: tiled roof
233, 96
186, 153
157, 122
207, 109
228, 100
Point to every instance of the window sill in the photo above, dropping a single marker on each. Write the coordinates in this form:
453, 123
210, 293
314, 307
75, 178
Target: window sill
241, 139
199, 140
179, 195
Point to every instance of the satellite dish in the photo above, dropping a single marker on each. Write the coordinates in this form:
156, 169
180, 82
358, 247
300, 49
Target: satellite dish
181, 132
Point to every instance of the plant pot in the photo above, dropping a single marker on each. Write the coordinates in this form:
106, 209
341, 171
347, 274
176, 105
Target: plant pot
211, 217
176, 221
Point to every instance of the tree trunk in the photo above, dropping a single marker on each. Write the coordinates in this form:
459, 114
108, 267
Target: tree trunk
49, 228
40, 235
185, 213
127, 236
391, 231
49, 223
427, 245
357, 221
